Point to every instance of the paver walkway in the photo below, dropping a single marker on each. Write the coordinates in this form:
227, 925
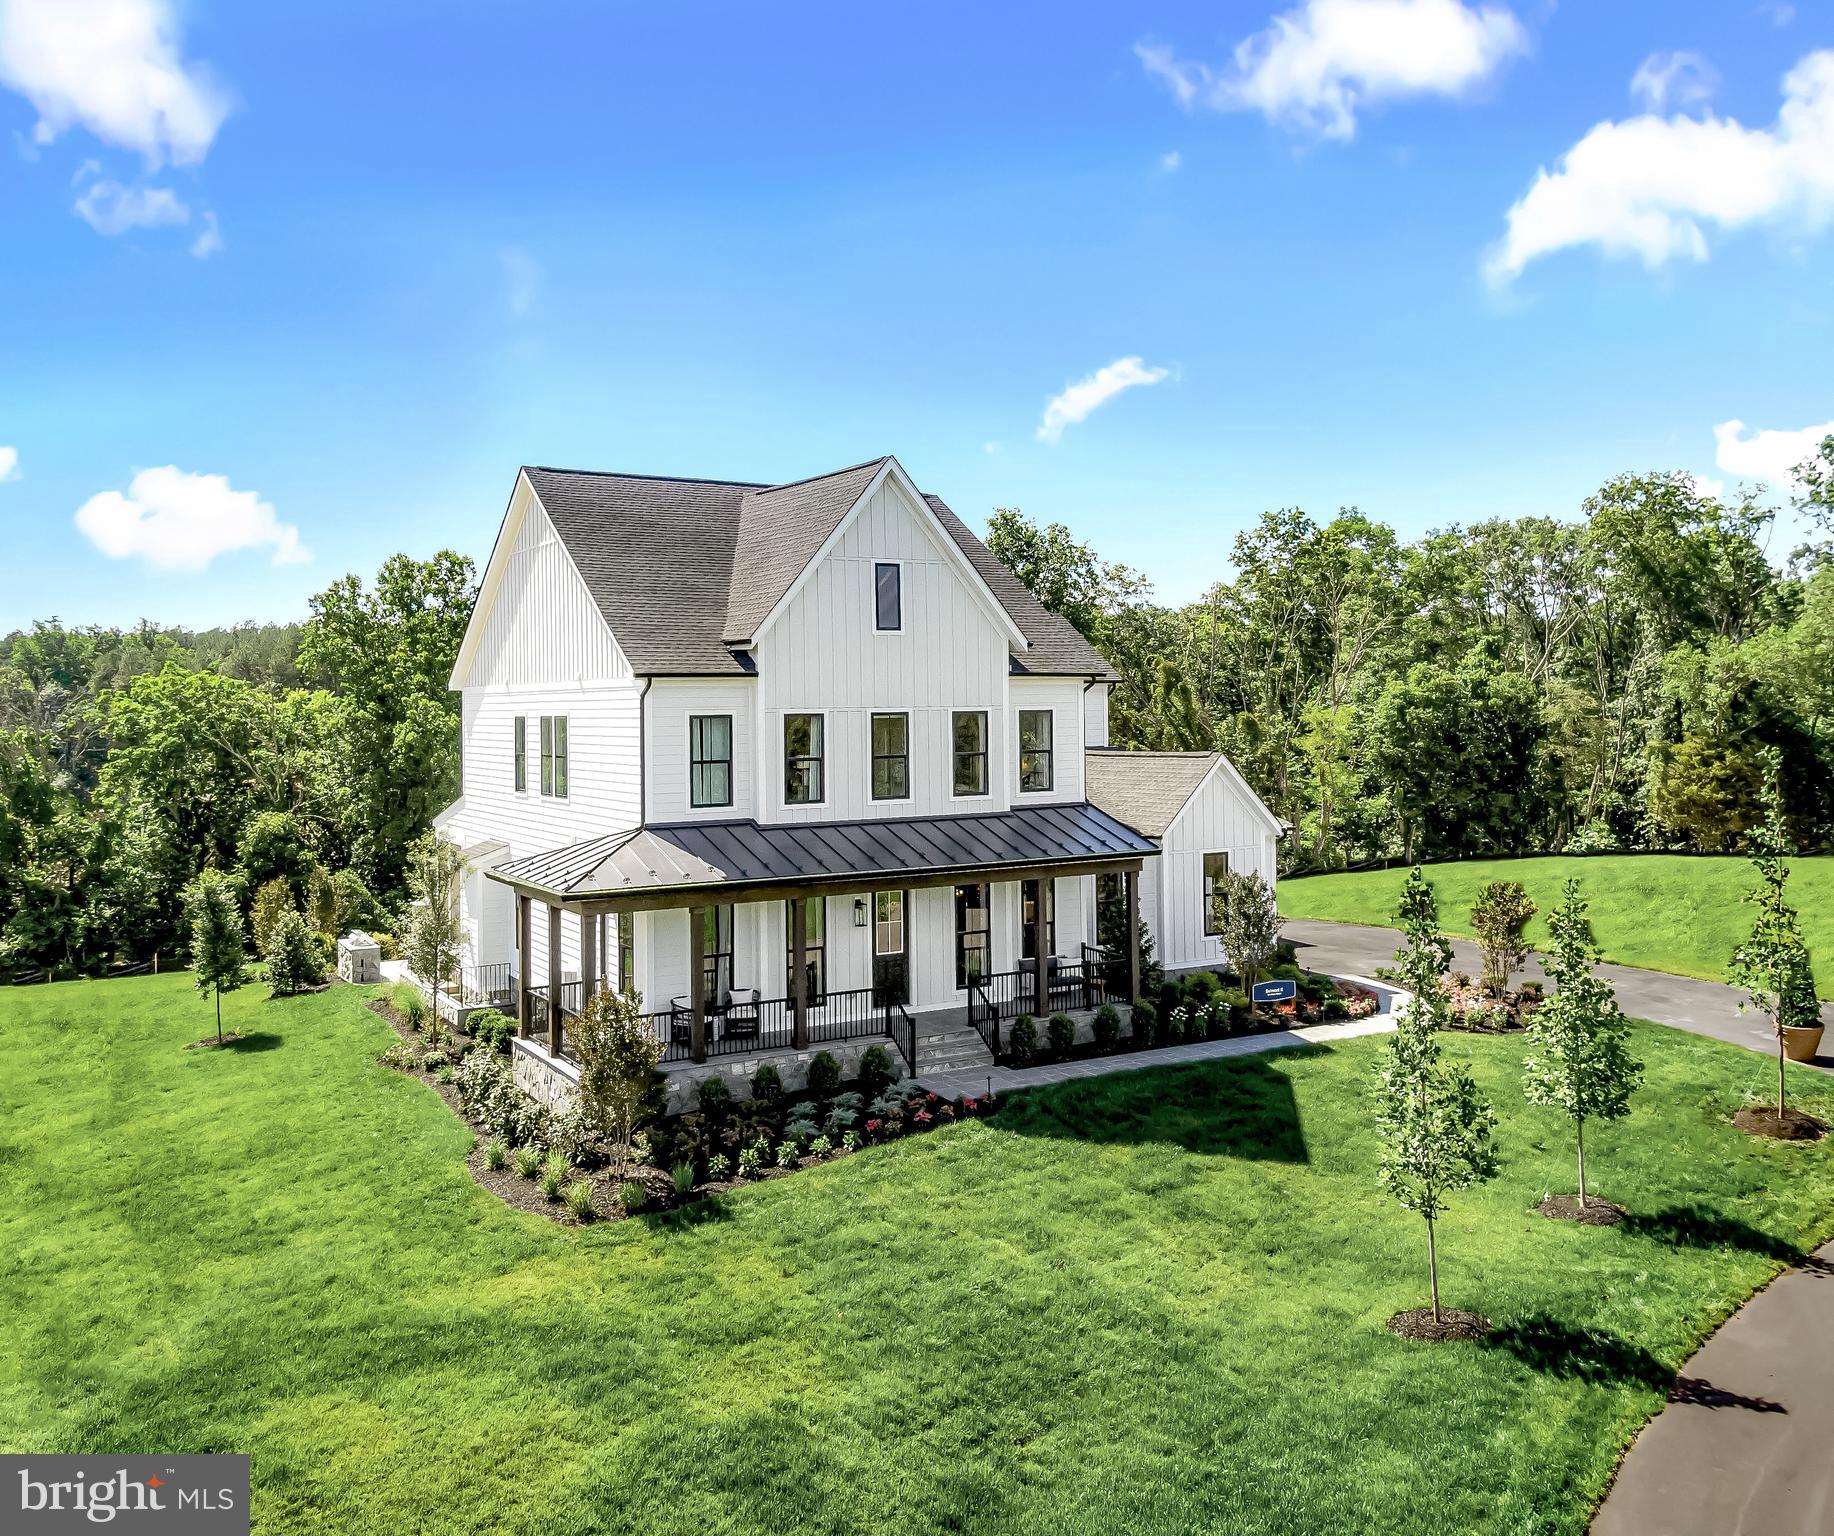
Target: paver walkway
1702, 1007
1006, 1079
1742, 1449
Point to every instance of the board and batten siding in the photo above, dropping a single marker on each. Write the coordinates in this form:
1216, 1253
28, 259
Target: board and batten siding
1219, 818
825, 654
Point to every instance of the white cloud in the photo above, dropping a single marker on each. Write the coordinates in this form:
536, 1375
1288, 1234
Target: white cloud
1780, 14
522, 278
1316, 65
1673, 79
1081, 398
9, 463
209, 240
1772, 455
1170, 161
114, 67
112, 209
181, 522
1646, 186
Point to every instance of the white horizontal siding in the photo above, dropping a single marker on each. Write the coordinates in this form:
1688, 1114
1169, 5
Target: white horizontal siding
1095, 716
668, 706
1064, 698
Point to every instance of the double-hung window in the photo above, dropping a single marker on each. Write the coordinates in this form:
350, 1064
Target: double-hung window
522, 753
969, 769
709, 760
888, 595
804, 782
1216, 867
1035, 755
891, 757
554, 756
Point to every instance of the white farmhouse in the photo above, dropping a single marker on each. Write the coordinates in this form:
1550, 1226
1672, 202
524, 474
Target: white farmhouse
808, 769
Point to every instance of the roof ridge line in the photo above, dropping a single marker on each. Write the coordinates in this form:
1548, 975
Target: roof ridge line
826, 474
624, 474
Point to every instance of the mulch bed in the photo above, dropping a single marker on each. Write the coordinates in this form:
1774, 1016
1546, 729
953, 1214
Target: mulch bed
1452, 1324
1594, 1213
1791, 1125
525, 1194
210, 1042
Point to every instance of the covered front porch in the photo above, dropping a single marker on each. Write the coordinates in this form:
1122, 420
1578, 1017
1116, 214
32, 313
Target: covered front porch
747, 942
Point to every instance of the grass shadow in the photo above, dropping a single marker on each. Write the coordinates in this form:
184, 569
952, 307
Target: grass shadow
1239, 1106
1580, 1354
255, 1040
1692, 1226
697, 1213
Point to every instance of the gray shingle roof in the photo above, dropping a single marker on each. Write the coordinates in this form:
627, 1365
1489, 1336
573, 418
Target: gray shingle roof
680, 856
1146, 790
683, 569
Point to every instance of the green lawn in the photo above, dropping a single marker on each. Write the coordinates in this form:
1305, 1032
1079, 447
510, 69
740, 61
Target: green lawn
1148, 1303
1665, 912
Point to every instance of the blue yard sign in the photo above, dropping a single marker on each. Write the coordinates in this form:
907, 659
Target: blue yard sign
1275, 991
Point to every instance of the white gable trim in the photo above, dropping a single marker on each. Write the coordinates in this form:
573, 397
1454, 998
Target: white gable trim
1233, 775
952, 555
509, 532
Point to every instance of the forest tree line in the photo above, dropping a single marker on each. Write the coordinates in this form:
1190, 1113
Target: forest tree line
1504, 687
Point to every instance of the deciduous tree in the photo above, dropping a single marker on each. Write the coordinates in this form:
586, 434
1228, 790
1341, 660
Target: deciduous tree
218, 950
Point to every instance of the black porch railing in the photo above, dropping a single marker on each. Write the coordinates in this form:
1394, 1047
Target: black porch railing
485, 986
1070, 985
747, 1023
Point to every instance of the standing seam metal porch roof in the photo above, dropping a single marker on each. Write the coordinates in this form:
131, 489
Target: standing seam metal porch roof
681, 856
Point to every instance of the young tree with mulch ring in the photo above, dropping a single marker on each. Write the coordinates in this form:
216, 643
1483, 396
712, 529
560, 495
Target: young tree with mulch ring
1248, 923
1773, 965
1579, 1058
1499, 918
436, 869
217, 949
618, 1053
1434, 1124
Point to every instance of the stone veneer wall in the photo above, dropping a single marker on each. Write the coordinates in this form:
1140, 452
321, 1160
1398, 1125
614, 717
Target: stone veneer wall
555, 1083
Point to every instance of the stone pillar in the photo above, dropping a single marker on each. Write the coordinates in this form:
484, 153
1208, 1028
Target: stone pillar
524, 948
799, 971
554, 1026
1132, 879
697, 979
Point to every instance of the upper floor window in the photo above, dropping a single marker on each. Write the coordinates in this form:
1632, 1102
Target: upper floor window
888, 594
1216, 867
891, 757
803, 760
522, 753
969, 731
709, 760
554, 756
1036, 770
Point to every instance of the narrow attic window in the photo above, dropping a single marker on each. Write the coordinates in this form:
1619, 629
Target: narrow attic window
888, 594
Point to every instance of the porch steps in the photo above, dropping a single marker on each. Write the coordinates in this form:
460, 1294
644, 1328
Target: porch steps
946, 1044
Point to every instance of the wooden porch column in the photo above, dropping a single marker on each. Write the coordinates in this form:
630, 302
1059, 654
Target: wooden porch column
553, 979
1132, 879
523, 952
799, 971
588, 956
697, 980
1041, 953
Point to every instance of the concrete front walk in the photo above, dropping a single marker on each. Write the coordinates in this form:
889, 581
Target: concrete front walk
1742, 1449
1006, 1079
1702, 1007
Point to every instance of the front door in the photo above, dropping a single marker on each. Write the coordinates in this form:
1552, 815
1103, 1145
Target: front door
891, 972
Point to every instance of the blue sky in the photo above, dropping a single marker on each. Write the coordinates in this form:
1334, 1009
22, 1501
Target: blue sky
329, 274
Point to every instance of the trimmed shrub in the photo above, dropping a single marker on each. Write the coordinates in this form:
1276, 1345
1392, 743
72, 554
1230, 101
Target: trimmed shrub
714, 1096
1145, 1022
294, 961
496, 1153
579, 1200
554, 1171
876, 1072
1202, 988
488, 1093
767, 1085
824, 1076
682, 1177
1022, 1041
1062, 1034
492, 1028
574, 1133
528, 1160
1107, 1027
1336, 1008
